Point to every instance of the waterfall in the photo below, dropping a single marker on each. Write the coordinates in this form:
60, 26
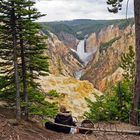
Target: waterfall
84, 56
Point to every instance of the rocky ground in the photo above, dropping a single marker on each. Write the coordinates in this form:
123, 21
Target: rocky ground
10, 130
72, 92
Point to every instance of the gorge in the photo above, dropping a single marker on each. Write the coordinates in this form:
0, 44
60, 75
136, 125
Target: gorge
84, 58
90, 63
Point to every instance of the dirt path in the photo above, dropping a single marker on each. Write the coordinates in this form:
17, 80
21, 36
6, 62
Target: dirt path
9, 130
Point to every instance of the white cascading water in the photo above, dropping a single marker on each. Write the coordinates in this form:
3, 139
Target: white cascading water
84, 56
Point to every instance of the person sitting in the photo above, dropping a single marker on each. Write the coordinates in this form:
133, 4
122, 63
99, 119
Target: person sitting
63, 117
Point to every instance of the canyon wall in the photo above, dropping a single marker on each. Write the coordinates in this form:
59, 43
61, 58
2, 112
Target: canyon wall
68, 39
111, 42
62, 61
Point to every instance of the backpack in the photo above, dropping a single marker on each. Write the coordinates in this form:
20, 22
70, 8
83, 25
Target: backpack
86, 124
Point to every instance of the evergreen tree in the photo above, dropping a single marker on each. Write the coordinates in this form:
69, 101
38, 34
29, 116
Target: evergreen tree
21, 43
9, 50
134, 115
116, 5
32, 46
128, 64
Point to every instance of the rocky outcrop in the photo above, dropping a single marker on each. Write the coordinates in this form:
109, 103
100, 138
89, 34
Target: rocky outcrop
61, 59
111, 42
105, 35
91, 43
111, 80
68, 39
72, 92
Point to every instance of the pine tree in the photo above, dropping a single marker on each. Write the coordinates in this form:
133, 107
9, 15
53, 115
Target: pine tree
134, 115
128, 64
21, 39
116, 5
36, 62
9, 49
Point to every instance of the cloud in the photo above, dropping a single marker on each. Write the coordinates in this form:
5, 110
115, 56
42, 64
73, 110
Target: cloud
79, 9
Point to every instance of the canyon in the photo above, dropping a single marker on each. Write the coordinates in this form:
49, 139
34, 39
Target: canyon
104, 69
100, 48
64, 66
88, 63
62, 60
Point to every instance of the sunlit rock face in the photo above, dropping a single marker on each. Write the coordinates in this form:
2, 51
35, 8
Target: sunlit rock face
62, 60
111, 80
72, 92
111, 42
91, 43
106, 34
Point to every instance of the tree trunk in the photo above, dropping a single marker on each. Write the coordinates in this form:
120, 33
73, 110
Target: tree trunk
24, 75
134, 115
13, 23
30, 67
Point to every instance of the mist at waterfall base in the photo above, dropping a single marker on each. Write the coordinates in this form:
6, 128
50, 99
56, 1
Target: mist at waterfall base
84, 56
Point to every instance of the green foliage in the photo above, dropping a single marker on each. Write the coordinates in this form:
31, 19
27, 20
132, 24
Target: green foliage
128, 64
105, 45
38, 105
111, 107
53, 93
21, 42
36, 102
56, 27
116, 106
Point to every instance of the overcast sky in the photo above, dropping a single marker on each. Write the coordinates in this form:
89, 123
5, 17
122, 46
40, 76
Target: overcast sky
57, 10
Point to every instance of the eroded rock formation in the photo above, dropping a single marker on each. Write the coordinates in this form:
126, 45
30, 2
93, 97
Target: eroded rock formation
68, 39
111, 43
72, 92
62, 61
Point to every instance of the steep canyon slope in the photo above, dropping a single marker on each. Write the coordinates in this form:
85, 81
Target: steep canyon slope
109, 39
63, 63
62, 60
111, 43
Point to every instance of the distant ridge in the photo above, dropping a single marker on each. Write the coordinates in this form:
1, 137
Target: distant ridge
81, 27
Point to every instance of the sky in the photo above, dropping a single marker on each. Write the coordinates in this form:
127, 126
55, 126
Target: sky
58, 10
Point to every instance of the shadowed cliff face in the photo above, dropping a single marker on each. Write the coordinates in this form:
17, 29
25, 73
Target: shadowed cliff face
62, 60
68, 39
103, 70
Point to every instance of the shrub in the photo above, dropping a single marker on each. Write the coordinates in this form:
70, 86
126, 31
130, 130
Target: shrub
105, 45
36, 102
111, 107
117, 104
53, 93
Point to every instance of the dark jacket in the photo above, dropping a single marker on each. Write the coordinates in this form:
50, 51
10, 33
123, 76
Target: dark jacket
64, 118
61, 118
